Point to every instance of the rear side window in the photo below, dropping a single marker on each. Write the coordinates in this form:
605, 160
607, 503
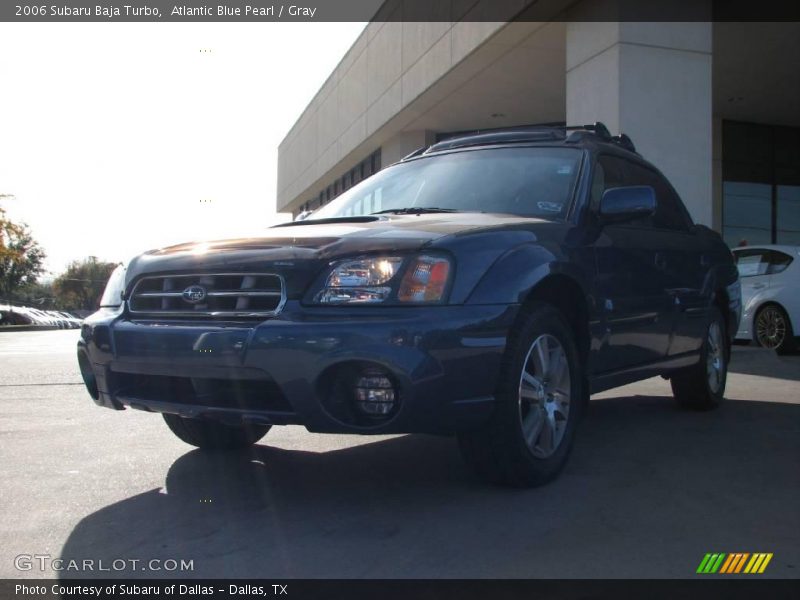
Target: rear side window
778, 261
612, 171
752, 263
761, 261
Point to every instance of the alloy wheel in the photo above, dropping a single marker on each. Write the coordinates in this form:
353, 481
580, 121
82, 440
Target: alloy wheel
544, 396
770, 327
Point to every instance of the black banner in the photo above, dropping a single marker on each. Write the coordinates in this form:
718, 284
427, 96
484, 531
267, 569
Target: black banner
398, 10
734, 588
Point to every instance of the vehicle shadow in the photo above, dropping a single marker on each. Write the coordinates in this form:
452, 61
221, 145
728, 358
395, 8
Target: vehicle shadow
648, 490
753, 360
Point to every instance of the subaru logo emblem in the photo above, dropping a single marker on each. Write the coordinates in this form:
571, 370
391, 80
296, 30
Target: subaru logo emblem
194, 294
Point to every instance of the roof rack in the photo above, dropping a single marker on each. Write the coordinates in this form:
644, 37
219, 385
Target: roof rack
499, 136
600, 130
597, 128
416, 152
528, 133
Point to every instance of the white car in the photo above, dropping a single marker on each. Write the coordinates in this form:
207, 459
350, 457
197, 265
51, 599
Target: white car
770, 277
72, 321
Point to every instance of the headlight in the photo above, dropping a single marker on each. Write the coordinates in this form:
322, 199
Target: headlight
361, 281
373, 280
112, 296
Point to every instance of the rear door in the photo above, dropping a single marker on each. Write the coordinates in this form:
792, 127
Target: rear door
688, 264
753, 265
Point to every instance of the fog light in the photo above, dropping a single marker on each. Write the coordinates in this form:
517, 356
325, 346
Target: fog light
375, 393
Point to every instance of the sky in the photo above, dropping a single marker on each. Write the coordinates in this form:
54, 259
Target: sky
116, 138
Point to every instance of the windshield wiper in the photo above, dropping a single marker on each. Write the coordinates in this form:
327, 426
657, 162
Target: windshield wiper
415, 210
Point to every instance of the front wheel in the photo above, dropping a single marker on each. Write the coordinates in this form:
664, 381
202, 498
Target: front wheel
538, 403
702, 386
214, 435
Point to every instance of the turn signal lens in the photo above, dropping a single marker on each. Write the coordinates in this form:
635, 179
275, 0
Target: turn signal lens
425, 280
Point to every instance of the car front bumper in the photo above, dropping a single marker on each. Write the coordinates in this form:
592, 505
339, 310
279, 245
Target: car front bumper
444, 361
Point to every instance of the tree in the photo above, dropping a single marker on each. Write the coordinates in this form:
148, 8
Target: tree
81, 285
21, 257
38, 295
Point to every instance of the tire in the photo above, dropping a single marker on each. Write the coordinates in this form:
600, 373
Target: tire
773, 329
702, 386
516, 447
214, 435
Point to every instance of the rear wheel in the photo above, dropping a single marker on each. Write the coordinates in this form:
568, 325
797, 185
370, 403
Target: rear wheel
773, 329
214, 435
702, 386
539, 400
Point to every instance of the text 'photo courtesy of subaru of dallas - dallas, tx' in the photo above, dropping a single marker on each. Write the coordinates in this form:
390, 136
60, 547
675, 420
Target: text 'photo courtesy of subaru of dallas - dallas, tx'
481, 287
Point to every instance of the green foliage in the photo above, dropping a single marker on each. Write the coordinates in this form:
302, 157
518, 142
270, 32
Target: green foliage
81, 285
39, 295
21, 257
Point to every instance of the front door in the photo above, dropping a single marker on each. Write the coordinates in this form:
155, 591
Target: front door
635, 308
633, 267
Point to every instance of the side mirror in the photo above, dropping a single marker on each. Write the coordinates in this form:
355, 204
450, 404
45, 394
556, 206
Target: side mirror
627, 203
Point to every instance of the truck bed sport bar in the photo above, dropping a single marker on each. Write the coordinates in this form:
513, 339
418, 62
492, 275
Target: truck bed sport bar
527, 133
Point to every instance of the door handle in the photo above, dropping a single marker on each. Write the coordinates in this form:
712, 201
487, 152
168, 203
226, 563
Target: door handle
758, 286
661, 261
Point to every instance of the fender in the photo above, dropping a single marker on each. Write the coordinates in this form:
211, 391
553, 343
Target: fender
518, 271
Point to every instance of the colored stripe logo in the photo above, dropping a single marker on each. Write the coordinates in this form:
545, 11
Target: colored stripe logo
736, 562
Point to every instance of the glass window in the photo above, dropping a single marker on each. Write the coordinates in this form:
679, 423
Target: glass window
613, 171
535, 182
747, 214
788, 221
622, 173
752, 262
761, 184
778, 261
670, 212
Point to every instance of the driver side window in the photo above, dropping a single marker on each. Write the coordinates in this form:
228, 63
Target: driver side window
613, 171
618, 172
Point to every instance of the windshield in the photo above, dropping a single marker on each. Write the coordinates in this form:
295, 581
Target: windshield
531, 182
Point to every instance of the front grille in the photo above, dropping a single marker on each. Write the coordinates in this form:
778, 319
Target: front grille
208, 295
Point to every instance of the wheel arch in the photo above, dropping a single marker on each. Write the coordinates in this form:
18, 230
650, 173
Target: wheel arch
721, 300
566, 295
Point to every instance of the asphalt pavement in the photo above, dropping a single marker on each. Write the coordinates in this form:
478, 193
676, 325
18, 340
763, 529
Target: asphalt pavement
648, 491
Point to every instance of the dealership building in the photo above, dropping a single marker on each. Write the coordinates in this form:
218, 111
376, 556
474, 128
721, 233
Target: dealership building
715, 105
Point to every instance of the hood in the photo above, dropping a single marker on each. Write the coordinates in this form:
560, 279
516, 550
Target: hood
299, 250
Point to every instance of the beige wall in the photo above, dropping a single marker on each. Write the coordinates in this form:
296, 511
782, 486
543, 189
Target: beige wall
387, 68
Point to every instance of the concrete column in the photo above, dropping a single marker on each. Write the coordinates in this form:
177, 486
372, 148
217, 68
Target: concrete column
653, 82
716, 174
